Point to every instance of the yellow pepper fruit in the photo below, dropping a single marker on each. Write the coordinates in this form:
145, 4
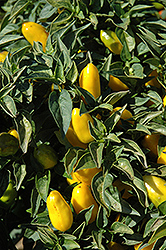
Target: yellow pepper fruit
46, 156
73, 139
84, 175
111, 41
80, 125
82, 198
35, 32
90, 80
162, 158
151, 142
164, 101
154, 82
156, 189
126, 115
59, 211
14, 133
3, 55
116, 85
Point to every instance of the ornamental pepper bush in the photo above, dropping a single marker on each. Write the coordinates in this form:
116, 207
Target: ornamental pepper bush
83, 124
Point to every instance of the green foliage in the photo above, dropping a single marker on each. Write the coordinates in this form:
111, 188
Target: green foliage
38, 91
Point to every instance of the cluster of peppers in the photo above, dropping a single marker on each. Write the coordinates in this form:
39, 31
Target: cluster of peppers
78, 135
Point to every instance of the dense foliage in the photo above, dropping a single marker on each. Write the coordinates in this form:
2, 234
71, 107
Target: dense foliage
38, 91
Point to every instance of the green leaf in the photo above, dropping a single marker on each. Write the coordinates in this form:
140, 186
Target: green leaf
162, 208
72, 73
59, 72
85, 161
102, 219
158, 234
65, 106
4, 180
96, 150
119, 227
18, 7
24, 127
8, 105
125, 166
54, 108
61, 4
42, 182
133, 147
108, 196
115, 97
35, 202
9, 38
19, 173
70, 160
106, 67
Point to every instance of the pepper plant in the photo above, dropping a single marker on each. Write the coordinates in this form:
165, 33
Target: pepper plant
119, 49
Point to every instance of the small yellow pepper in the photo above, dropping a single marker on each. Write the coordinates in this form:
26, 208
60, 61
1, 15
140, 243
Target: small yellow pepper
35, 32
3, 55
82, 198
126, 115
84, 175
116, 85
73, 139
14, 133
90, 80
151, 142
111, 41
154, 82
59, 211
156, 189
80, 125
162, 158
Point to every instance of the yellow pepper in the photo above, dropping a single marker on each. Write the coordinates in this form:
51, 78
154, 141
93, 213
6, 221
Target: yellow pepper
14, 133
116, 85
90, 80
154, 82
80, 125
73, 139
126, 115
60, 213
156, 189
164, 101
111, 41
46, 156
162, 158
82, 198
84, 175
3, 55
151, 142
35, 32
